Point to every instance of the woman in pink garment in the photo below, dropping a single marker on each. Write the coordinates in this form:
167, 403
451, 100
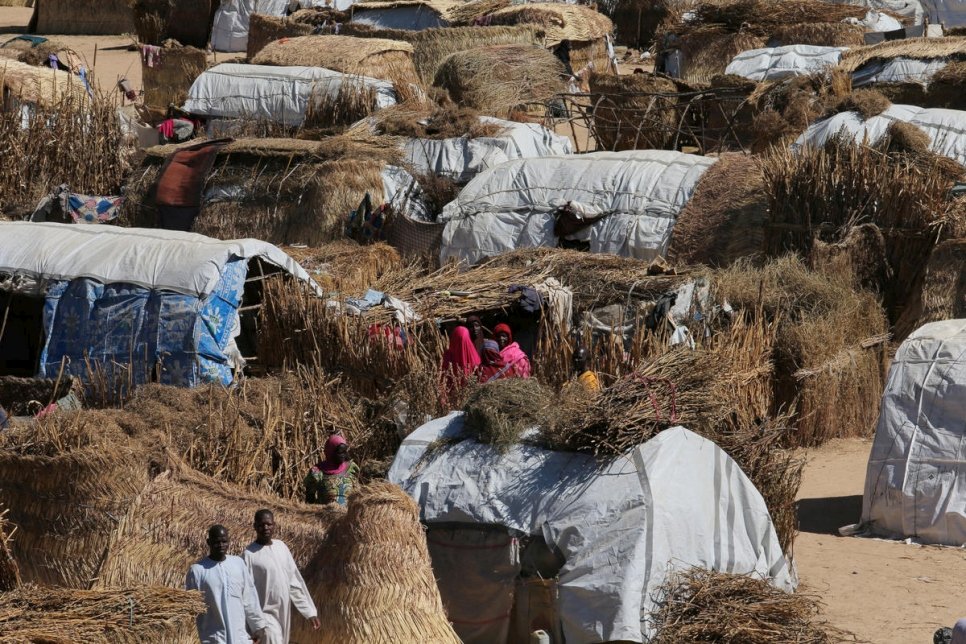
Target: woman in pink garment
518, 364
460, 362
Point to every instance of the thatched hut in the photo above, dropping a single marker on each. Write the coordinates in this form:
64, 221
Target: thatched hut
576, 33
186, 21
497, 80
88, 17
263, 29
927, 72
23, 83
374, 57
375, 582
167, 84
286, 190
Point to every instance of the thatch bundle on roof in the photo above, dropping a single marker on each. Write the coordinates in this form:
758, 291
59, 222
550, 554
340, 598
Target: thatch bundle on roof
346, 266
285, 191
264, 29
376, 582
699, 605
819, 34
88, 17
724, 219
127, 616
374, 57
496, 80
634, 112
167, 84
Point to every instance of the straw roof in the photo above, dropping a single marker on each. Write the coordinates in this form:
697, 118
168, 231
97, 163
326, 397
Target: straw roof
41, 85
560, 21
328, 148
374, 57
442, 7
908, 48
376, 583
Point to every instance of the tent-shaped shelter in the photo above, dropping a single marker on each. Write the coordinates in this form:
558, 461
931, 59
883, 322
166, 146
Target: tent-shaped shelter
159, 304
229, 32
915, 485
945, 128
595, 539
627, 203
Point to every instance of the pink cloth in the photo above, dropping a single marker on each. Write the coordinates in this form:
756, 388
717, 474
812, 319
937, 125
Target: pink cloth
519, 363
460, 361
329, 465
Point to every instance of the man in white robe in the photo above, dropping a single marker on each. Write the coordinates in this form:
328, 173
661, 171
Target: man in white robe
229, 592
277, 580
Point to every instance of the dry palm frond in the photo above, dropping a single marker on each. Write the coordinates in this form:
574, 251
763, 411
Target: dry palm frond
699, 605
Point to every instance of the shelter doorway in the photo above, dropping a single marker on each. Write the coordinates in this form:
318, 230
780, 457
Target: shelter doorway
21, 333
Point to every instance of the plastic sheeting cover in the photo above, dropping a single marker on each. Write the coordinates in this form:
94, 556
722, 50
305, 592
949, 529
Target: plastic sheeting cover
411, 17
229, 31
461, 158
876, 21
152, 258
773, 63
280, 94
946, 128
676, 501
915, 484
641, 193
910, 9
897, 70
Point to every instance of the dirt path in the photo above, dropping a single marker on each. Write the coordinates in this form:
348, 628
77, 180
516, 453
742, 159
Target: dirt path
882, 591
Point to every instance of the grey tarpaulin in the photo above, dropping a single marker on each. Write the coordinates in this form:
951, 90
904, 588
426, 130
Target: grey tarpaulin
676, 501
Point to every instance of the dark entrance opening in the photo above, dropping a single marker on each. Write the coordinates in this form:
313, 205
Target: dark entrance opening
21, 333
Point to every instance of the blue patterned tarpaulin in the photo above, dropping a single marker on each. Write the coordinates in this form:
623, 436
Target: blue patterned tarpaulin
118, 326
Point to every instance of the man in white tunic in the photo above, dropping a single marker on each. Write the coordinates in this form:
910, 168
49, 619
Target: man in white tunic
229, 592
277, 580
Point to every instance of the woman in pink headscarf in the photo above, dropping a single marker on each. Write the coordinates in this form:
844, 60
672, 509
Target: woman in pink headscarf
460, 361
518, 364
331, 479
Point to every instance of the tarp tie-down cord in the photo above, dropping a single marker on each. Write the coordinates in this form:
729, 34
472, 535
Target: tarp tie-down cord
647, 381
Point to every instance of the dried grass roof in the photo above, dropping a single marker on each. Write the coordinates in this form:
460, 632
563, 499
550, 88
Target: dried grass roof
328, 148
41, 85
907, 48
346, 54
560, 21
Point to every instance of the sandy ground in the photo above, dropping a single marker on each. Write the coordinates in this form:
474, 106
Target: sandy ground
882, 591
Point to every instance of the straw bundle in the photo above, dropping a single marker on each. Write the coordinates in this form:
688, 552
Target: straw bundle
429, 122
828, 349
167, 84
9, 572
89, 17
724, 219
634, 112
376, 583
346, 266
496, 80
821, 193
946, 87
708, 51
699, 605
128, 616
787, 107
921, 48
861, 256
820, 34
264, 29
944, 284
560, 22
372, 57
498, 413
867, 102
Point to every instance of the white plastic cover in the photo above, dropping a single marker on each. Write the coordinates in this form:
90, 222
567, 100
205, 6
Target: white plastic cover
163, 259
915, 485
910, 9
876, 21
897, 70
674, 502
229, 31
461, 159
341, 5
410, 17
773, 63
637, 193
946, 128
265, 92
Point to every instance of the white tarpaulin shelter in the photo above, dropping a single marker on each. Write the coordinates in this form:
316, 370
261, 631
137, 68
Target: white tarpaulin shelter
915, 485
897, 70
635, 197
908, 9
674, 502
412, 15
461, 158
280, 94
229, 31
773, 63
876, 21
946, 128
169, 260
